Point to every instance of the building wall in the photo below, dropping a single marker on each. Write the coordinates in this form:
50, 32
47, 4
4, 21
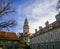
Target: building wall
49, 39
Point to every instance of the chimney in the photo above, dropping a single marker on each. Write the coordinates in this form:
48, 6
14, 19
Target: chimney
47, 24
40, 27
35, 30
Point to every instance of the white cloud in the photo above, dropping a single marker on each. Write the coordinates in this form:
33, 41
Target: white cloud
40, 11
41, 22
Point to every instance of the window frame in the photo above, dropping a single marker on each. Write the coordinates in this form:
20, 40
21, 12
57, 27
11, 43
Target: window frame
53, 45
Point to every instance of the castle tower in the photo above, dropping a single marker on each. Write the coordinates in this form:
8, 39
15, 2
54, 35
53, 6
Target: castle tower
57, 17
26, 33
58, 8
58, 5
26, 26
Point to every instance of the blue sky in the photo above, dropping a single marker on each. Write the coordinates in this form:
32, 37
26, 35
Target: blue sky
36, 11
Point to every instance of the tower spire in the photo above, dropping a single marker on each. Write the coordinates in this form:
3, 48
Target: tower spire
58, 8
58, 5
26, 21
26, 26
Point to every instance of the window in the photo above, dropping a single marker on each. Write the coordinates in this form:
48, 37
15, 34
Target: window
53, 46
55, 35
59, 34
41, 38
42, 47
47, 47
52, 36
32, 47
38, 47
46, 38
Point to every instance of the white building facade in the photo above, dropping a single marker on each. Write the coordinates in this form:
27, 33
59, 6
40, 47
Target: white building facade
47, 37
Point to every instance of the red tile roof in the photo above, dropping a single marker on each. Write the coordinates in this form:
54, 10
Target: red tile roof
56, 24
8, 35
2, 34
52, 25
45, 29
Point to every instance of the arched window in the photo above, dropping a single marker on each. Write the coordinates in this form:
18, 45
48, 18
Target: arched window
47, 46
52, 36
53, 46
